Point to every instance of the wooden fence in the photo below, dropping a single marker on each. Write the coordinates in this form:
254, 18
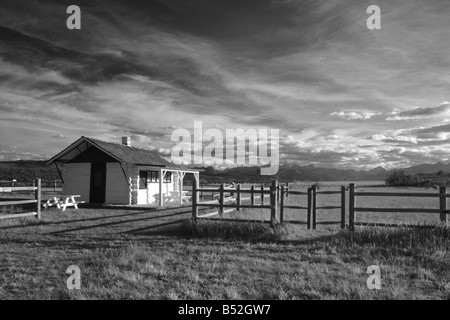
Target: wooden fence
37, 194
51, 185
234, 200
442, 195
231, 199
46, 185
312, 207
211, 191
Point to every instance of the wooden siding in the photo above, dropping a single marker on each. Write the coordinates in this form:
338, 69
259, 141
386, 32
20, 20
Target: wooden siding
117, 188
77, 177
133, 175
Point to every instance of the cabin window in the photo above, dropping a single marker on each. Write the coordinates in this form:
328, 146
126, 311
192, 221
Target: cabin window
143, 180
146, 177
153, 176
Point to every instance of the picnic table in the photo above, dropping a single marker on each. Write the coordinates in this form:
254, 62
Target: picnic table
174, 196
63, 202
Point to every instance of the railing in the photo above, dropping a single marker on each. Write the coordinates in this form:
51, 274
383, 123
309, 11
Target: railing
442, 195
311, 207
211, 191
37, 193
236, 202
230, 198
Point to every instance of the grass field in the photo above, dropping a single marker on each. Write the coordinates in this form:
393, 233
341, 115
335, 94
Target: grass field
161, 254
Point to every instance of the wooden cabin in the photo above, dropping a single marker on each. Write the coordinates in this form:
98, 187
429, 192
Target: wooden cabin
111, 173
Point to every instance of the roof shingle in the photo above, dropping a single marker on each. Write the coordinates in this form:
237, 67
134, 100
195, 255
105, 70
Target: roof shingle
118, 151
131, 154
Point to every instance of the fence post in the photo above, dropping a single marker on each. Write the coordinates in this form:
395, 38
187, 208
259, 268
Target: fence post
443, 204
252, 197
194, 200
278, 193
37, 195
314, 208
308, 214
221, 200
287, 190
282, 204
262, 194
351, 207
273, 202
238, 197
342, 207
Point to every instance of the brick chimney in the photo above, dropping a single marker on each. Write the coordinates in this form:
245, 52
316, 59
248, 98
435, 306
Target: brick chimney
126, 141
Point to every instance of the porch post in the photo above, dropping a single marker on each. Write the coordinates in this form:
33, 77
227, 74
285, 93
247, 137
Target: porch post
161, 196
180, 181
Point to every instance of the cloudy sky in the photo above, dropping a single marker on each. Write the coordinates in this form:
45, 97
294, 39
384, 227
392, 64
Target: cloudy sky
341, 95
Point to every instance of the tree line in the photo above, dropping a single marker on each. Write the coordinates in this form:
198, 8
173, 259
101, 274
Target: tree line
400, 178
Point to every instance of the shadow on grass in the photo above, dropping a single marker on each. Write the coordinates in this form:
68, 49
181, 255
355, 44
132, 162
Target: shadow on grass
131, 207
241, 230
49, 223
105, 217
427, 236
107, 224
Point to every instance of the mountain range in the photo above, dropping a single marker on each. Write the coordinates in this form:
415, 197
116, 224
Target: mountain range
293, 172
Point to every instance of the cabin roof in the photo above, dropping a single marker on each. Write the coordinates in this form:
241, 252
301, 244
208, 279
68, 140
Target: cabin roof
119, 152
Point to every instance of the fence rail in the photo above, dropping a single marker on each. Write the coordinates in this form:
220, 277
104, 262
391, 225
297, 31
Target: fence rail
442, 195
37, 193
236, 198
312, 207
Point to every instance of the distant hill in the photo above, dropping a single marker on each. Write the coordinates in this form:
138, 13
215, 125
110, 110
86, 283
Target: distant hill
27, 171
31, 164
287, 172
428, 168
292, 172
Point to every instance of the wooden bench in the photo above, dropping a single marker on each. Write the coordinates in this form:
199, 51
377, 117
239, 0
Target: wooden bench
63, 202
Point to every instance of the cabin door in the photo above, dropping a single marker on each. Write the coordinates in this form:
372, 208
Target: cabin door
98, 183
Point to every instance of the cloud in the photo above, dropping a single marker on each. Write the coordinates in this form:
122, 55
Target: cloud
420, 113
310, 69
351, 115
14, 154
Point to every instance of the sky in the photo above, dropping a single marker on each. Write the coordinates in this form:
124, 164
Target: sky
341, 95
